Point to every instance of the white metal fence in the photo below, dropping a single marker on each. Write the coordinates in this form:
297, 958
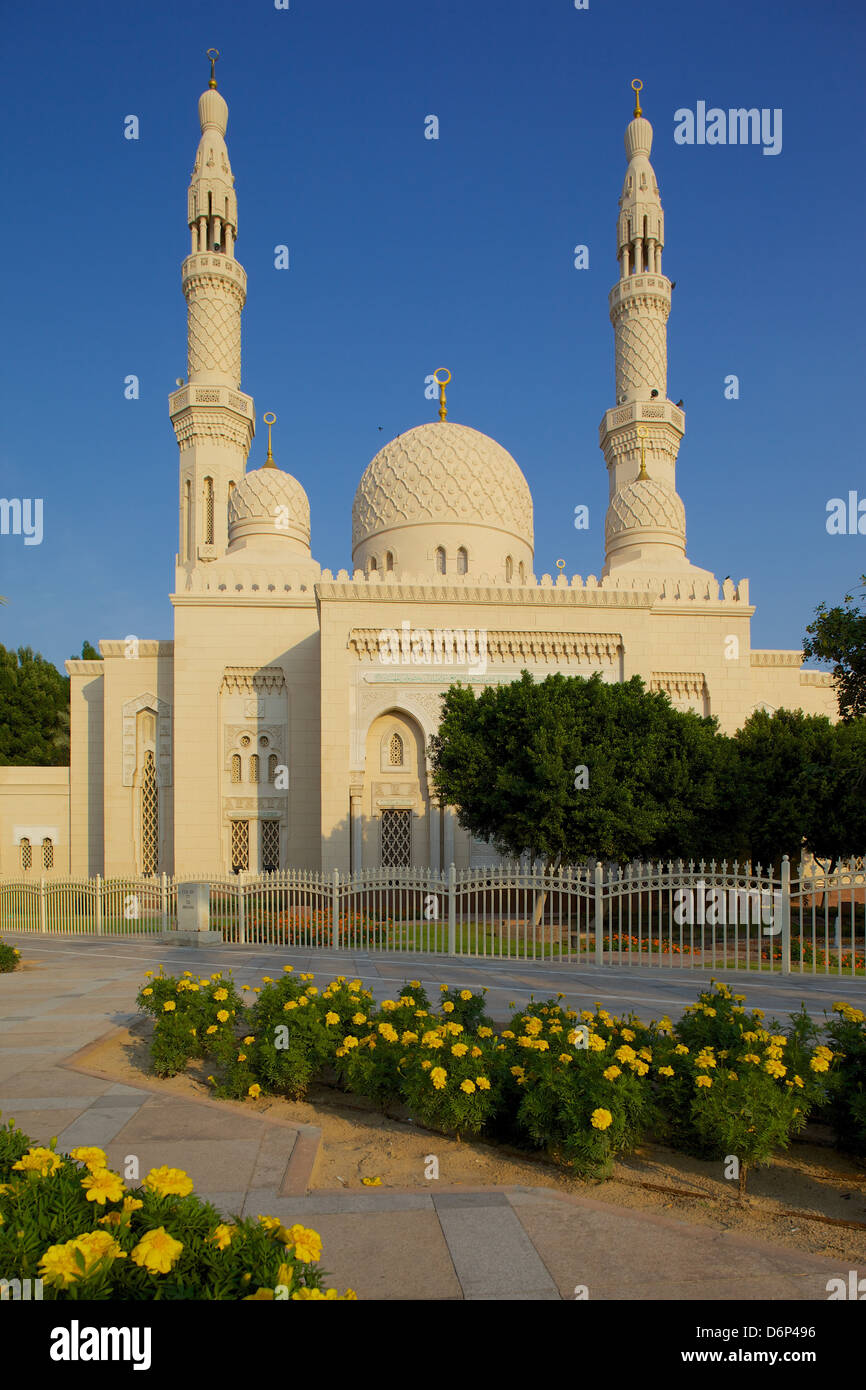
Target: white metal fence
689, 916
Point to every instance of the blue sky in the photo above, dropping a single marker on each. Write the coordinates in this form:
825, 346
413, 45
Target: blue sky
408, 254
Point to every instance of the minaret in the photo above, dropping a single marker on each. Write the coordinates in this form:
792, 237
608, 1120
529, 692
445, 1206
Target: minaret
213, 421
640, 436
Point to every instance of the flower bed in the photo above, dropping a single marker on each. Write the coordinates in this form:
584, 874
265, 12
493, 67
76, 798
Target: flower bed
10, 958
68, 1220
585, 1087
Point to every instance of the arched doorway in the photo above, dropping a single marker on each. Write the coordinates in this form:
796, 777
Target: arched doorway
395, 801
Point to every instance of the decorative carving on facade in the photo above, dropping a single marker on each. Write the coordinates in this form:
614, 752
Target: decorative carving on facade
162, 711
253, 680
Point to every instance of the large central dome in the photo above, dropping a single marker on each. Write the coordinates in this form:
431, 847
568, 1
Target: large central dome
443, 488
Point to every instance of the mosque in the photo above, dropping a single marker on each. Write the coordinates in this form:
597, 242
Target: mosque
286, 723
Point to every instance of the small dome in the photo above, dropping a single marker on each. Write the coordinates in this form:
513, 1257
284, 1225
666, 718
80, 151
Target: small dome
638, 137
268, 502
213, 111
442, 472
645, 505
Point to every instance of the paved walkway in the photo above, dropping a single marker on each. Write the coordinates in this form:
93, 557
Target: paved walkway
495, 1243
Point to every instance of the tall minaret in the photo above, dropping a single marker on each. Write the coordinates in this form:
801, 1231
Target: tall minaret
640, 436
213, 421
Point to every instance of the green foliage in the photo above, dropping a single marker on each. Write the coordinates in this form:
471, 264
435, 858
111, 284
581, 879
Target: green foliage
800, 778
34, 711
838, 635
88, 653
847, 1081
48, 1200
10, 958
507, 759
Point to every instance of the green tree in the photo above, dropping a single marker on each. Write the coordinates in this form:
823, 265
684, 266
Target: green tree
34, 711
839, 635
511, 761
800, 781
88, 653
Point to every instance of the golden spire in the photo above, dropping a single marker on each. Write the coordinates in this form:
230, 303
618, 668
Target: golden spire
637, 87
643, 476
442, 384
213, 54
270, 419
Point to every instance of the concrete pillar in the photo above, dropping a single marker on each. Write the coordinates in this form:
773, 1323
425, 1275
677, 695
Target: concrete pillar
355, 817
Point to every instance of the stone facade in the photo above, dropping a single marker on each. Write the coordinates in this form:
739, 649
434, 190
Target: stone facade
286, 725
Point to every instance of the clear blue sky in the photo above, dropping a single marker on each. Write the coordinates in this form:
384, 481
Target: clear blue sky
408, 254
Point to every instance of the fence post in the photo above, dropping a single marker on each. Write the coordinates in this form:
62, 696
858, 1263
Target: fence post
786, 915
452, 911
335, 910
242, 916
97, 900
163, 904
599, 911
42, 926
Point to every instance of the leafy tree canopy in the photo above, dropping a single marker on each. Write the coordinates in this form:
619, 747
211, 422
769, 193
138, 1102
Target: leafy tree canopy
34, 711
509, 760
838, 635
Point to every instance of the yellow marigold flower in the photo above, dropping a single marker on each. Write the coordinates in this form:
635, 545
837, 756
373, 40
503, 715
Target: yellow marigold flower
102, 1186
704, 1081
389, 1005
169, 1006
451, 1027
466, 994
211, 1029
596, 1042
485, 1032
681, 1049
601, 1119
476, 1052
625, 1054
775, 1053
666, 1071
157, 1251
705, 1061
426, 1064
816, 1064
147, 991
775, 1068
448, 1007
350, 1041
459, 1049
93, 1157
290, 1004
220, 994
261, 1295
148, 974
482, 1083
611, 1073
223, 1016
439, 1076
255, 1090
407, 1001
307, 1243
565, 1057
39, 1160
759, 1013
167, 1182
508, 1033
710, 1013
303, 1001
640, 1067
467, 1086
242, 1056
517, 1071
628, 1035
222, 1235
358, 1019
732, 1076
751, 1057
406, 1038
420, 1013
58, 1265
331, 1018
798, 1081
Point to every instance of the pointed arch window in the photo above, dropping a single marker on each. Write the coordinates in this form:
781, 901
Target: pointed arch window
509, 568
440, 559
373, 564
389, 560
395, 751
236, 768
521, 571
462, 560
26, 854
208, 511
273, 763
254, 767
47, 853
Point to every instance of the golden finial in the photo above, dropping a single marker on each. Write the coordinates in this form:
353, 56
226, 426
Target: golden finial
270, 419
442, 384
560, 565
642, 476
213, 54
637, 87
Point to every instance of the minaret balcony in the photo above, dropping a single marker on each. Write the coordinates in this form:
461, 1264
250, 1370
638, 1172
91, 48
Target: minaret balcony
641, 283
621, 416
203, 393
214, 263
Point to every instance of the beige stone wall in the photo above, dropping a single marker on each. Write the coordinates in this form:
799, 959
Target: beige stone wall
34, 803
138, 678
249, 636
86, 767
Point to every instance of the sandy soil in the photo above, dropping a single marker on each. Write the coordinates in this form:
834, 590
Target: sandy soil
785, 1203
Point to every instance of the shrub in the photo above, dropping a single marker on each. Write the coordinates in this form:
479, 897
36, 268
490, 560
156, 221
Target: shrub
70, 1221
10, 958
847, 1077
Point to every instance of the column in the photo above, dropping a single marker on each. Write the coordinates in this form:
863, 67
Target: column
448, 848
356, 861
434, 817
